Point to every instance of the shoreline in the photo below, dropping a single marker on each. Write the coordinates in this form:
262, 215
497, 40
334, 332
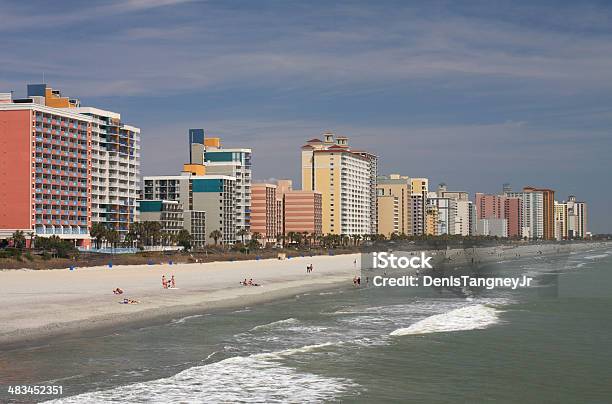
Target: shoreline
42, 305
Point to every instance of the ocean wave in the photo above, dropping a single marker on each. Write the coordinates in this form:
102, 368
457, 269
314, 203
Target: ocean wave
593, 257
472, 317
183, 319
275, 324
254, 378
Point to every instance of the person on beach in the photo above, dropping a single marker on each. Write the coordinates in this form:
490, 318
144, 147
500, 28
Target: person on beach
172, 282
118, 291
164, 282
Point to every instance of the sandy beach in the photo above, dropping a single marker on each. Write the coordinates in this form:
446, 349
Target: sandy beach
43, 303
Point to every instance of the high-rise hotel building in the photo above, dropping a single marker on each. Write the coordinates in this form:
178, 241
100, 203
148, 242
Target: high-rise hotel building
45, 169
115, 169
233, 162
346, 179
394, 205
52, 151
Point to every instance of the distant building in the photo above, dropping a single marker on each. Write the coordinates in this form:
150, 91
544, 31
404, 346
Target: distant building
447, 211
548, 211
501, 207
492, 227
394, 205
419, 189
264, 215
561, 220
459, 207
431, 222
302, 210
532, 210
346, 180
576, 218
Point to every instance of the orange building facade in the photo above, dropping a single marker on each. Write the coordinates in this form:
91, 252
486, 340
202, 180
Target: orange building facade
265, 219
548, 199
45, 172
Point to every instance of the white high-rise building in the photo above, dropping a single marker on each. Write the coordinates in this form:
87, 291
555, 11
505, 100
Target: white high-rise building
447, 212
233, 162
115, 169
533, 213
576, 218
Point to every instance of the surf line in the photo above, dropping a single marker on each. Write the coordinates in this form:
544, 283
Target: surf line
452, 281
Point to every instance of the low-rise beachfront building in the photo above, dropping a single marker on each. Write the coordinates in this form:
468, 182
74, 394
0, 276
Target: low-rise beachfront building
213, 194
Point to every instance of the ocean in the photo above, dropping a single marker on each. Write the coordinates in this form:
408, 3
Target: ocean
551, 342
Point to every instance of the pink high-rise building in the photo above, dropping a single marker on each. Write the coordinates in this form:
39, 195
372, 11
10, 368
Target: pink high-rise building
513, 213
489, 206
264, 215
501, 207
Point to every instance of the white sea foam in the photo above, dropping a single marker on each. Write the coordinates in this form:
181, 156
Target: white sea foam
472, 317
254, 378
275, 324
183, 319
593, 257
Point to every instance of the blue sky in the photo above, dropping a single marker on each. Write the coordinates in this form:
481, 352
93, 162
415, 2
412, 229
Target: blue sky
473, 94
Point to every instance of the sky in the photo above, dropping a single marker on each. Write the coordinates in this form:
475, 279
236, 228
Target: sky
473, 94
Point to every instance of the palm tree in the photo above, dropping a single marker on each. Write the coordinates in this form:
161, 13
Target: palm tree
98, 232
280, 239
112, 237
215, 235
152, 232
242, 233
19, 240
183, 239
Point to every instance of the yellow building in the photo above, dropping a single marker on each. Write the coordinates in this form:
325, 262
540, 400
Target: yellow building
431, 221
420, 186
346, 179
393, 194
560, 220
